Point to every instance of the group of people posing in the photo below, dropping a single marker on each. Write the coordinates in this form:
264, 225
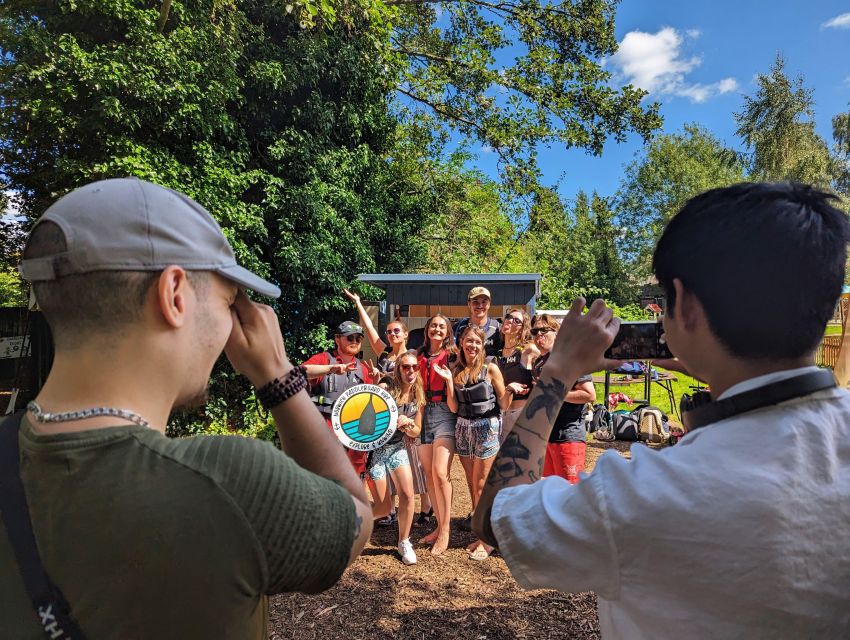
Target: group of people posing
459, 393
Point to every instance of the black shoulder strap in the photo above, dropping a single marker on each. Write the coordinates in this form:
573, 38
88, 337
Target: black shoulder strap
758, 398
48, 602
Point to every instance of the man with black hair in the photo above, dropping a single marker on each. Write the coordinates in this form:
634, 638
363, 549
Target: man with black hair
147, 536
739, 530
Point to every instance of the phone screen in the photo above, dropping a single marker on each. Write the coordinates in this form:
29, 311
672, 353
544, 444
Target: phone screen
639, 341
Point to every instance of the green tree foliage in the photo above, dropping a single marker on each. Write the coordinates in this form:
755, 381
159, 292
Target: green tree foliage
513, 75
841, 135
13, 290
282, 132
468, 233
776, 124
575, 250
672, 169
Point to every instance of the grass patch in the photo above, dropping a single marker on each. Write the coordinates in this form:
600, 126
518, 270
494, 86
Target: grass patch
658, 395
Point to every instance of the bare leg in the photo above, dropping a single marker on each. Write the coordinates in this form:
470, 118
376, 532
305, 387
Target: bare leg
467, 463
403, 481
383, 503
426, 456
425, 502
442, 461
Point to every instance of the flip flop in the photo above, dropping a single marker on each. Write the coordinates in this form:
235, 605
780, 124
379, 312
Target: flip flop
479, 554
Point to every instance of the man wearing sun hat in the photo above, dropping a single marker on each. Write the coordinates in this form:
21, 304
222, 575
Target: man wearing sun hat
479, 301
140, 535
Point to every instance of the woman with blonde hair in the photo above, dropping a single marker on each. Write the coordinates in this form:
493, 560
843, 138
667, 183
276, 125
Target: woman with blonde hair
477, 392
391, 460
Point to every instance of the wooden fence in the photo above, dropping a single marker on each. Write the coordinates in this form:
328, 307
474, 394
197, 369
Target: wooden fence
827, 353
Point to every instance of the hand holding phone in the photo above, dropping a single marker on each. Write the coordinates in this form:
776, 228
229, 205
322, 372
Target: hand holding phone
639, 341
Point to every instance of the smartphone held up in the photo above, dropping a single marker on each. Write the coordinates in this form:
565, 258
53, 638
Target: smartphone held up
639, 341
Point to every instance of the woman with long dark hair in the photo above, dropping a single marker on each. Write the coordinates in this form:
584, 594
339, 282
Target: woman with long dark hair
438, 425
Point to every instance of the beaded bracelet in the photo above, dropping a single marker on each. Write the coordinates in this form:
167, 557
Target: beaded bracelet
272, 394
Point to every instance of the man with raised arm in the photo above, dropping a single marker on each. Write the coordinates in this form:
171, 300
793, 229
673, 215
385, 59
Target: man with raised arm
737, 531
149, 537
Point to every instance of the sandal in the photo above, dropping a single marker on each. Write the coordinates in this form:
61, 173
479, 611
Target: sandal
479, 554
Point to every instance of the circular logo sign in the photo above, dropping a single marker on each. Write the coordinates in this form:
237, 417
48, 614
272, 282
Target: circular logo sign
364, 417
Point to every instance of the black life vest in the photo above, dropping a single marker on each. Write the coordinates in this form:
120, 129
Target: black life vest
326, 392
493, 339
477, 400
513, 371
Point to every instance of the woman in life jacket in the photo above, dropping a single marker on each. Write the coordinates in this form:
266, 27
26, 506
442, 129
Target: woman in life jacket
438, 425
392, 460
515, 360
387, 352
566, 450
479, 397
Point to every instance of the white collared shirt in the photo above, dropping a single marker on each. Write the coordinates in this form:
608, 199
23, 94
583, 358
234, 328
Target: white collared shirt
742, 530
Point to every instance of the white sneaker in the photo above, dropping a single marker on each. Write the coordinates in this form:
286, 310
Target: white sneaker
405, 550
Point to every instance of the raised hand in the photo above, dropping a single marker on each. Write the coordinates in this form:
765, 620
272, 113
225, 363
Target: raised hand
352, 296
516, 387
444, 372
341, 367
373, 370
583, 338
255, 346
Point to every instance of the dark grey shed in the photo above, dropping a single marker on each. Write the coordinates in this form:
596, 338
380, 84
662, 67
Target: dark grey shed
405, 290
452, 288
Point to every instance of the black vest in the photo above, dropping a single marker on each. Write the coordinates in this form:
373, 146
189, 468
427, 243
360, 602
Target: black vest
477, 400
332, 386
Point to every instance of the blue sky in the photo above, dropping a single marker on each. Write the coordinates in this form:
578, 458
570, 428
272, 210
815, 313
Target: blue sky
698, 59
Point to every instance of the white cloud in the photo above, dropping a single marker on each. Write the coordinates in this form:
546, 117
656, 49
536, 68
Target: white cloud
838, 22
654, 61
693, 34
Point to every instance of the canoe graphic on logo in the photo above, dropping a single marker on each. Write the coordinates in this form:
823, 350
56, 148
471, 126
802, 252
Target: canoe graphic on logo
364, 417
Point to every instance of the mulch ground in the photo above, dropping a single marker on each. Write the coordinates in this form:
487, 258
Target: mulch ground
449, 596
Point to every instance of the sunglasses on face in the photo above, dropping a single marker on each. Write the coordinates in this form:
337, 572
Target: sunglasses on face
538, 330
513, 319
354, 338
409, 367
394, 332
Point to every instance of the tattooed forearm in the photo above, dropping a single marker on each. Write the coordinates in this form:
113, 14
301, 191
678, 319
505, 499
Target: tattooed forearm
551, 399
508, 463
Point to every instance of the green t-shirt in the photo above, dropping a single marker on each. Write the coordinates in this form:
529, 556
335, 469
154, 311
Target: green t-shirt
150, 537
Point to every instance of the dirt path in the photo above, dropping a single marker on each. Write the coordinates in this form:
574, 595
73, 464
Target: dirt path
449, 596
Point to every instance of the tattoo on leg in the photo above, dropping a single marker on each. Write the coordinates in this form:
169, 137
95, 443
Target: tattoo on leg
358, 525
550, 400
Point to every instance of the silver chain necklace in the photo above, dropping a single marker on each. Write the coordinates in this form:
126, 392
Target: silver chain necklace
94, 412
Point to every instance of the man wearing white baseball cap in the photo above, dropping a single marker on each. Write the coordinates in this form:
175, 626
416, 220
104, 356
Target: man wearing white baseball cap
134, 535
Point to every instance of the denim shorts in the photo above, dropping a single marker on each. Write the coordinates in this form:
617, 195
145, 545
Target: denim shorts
478, 437
438, 421
388, 458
